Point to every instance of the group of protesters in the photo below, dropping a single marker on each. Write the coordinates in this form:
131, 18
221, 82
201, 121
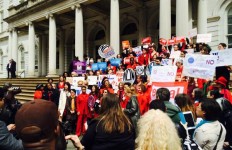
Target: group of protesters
128, 117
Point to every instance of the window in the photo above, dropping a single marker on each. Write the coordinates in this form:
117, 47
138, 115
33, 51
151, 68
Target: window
22, 57
1, 60
230, 28
36, 57
130, 29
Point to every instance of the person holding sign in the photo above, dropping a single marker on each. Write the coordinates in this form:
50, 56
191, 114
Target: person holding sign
132, 65
143, 59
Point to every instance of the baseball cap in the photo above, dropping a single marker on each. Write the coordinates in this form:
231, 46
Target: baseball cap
36, 120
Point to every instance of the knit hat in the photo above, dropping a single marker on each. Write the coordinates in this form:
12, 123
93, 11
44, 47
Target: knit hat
221, 80
36, 120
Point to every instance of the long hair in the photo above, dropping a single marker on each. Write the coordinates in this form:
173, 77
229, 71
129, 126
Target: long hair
156, 131
111, 115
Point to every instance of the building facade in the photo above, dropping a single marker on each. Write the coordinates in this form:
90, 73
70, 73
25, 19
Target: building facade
43, 36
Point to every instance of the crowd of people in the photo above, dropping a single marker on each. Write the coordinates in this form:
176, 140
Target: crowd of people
129, 118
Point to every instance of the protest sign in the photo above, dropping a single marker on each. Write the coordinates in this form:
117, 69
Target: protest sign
163, 73
174, 88
199, 66
167, 62
102, 66
137, 50
94, 66
171, 42
175, 54
204, 38
192, 32
120, 76
125, 44
92, 80
179, 39
223, 57
129, 76
189, 51
162, 41
115, 62
79, 67
113, 79
146, 40
106, 51
70, 80
140, 70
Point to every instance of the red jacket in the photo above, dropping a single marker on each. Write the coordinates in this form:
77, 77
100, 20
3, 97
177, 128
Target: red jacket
143, 59
82, 103
143, 102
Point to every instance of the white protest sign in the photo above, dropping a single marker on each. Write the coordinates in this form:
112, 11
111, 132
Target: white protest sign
199, 66
113, 79
140, 70
204, 38
167, 62
189, 51
106, 51
192, 32
119, 74
223, 57
175, 54
163, 73
92, 80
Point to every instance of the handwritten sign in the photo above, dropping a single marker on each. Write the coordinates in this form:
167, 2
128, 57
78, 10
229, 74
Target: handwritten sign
192, 32
204, 38
223, 57
163, 73
199, 66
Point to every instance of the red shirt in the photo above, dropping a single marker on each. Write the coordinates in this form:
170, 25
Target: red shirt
143, 102
143, 59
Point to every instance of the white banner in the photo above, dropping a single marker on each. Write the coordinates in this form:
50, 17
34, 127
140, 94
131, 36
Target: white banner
199, 66
204, 38
167, 62
223, 57
163, 73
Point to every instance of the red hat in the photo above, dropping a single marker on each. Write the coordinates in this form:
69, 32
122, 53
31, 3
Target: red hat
221, 80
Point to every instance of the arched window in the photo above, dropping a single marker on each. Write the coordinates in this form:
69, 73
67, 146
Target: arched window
100, 35
131, 28
1, 60
22, 57
230, 28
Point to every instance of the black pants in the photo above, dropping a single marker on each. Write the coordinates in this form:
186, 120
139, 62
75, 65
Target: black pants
13, 74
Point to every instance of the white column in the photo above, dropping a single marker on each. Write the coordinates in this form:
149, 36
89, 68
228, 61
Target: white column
182, 17
52, 47
9, 45
165, 19
61, 52
40, 57
79, 34
14, 54
114, 26
202, 17
190, 14
44, 55
31, 50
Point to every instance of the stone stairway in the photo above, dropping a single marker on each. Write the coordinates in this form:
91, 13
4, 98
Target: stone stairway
27, 85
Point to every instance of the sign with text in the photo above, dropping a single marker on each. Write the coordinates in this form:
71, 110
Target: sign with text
204, 38
223, 57
106, 51
175, 54
92, 80
115, 62
137, 50
199, 66
163, 73
75, 81
125, 44
119, 74
167, 62
79, 67
113, 79
174, 88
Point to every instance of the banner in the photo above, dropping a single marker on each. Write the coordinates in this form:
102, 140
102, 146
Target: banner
192, 32
92, 80
102, 65
94, 67
137, 51
115, 62
106, 51
199, 66
223, 57
204, 38
163, 73
174, 88
140, 70
178, 40
79, 67
125, 44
